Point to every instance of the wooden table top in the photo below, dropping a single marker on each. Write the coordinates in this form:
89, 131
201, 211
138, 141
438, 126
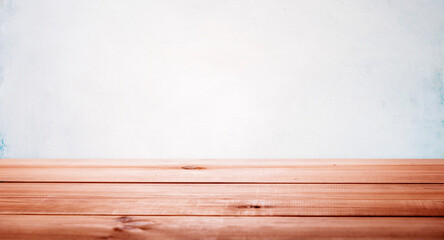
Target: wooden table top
222, 199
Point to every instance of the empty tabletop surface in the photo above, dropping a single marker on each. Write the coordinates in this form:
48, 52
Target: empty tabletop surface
222, 199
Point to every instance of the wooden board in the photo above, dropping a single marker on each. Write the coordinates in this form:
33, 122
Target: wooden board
220, 171
135, 227
223, 199
217, 162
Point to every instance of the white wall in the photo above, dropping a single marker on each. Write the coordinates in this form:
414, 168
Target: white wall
222, 79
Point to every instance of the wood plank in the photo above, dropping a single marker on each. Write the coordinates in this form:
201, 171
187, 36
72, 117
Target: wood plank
223, 199
237, 171
135, 227
217, 162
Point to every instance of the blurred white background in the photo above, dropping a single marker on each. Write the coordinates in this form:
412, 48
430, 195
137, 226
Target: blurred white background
222, 79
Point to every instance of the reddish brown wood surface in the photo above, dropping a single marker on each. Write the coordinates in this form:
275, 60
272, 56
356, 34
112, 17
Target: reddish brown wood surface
231, 171
222, 199
184, 228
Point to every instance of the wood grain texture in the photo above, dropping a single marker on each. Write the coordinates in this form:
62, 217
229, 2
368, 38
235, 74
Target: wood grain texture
223, 199
217, 162
220, 171
135, 227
